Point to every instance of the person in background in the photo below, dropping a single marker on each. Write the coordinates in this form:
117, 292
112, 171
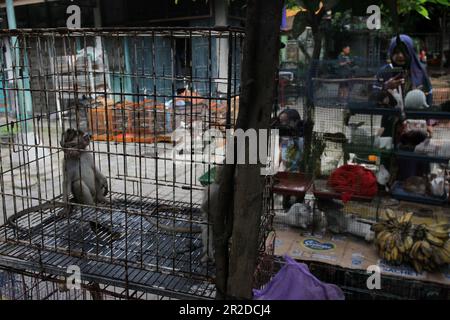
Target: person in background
403, 74
291, 135
345, 70
290, 126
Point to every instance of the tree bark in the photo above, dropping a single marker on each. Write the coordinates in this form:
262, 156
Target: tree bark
259, 67
222, 228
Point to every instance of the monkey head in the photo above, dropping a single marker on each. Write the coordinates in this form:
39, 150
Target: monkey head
76, 140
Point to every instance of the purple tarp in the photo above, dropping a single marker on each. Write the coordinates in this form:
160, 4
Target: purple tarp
295, 282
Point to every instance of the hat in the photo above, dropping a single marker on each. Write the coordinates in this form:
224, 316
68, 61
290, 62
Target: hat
415, 99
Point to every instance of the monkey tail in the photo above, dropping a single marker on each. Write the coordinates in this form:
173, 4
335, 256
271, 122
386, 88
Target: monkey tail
172, 229
12, 220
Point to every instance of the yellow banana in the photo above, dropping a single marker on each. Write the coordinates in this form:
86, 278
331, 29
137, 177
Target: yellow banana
414, 249
408, 242
417, 266
401, 247
443, 254
426, 249
387, 256
390, 241
447, 247
434, 240
406, 218
438, 232
382, 236
390, 214
444, 225
394, 254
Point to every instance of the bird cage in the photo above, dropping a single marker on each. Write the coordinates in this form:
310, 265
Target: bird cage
143, 122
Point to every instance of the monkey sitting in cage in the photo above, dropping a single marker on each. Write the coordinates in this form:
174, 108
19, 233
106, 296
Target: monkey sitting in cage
81, 178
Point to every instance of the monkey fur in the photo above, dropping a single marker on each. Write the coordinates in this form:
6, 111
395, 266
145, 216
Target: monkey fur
81, 178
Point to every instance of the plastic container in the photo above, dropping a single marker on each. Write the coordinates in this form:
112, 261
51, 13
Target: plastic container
399, 193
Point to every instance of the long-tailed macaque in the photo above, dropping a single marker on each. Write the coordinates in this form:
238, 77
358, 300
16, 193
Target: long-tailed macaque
81, 178
209, 207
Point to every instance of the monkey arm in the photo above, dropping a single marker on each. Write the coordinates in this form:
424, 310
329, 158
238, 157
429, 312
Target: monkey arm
99, 177
67, 187
172, 229
102, 182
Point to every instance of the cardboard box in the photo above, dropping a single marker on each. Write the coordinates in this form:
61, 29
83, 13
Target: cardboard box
346, 252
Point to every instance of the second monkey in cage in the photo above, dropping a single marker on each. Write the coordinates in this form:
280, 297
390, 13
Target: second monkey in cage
209, 207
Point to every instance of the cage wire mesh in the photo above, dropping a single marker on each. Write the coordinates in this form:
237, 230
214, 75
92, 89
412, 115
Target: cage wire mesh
353, 282
387, 137
20, 285
392, 140
339, 137
155, 104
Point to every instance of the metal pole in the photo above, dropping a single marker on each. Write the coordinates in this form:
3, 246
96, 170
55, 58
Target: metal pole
127, 78
25, 103
11, 14
222, 47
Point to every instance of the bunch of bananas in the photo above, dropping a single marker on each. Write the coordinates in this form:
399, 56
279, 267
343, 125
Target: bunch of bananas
393, 237
426, 247
431, 248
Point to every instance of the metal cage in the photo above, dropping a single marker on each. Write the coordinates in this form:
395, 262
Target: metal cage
148, 97
353, 282
23, 285
355, 124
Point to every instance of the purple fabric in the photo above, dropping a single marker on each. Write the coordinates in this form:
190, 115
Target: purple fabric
417, 73
283, 19
295, 282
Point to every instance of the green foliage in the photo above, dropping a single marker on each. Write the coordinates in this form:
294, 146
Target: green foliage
291, 4
419, 6
300, 23
7, 130
342, 21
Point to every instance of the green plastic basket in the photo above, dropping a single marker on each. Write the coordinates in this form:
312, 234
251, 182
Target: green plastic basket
208, 177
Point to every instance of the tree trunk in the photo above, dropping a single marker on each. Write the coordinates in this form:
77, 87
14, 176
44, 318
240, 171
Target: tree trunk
317, 35
222, 228
259, 67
